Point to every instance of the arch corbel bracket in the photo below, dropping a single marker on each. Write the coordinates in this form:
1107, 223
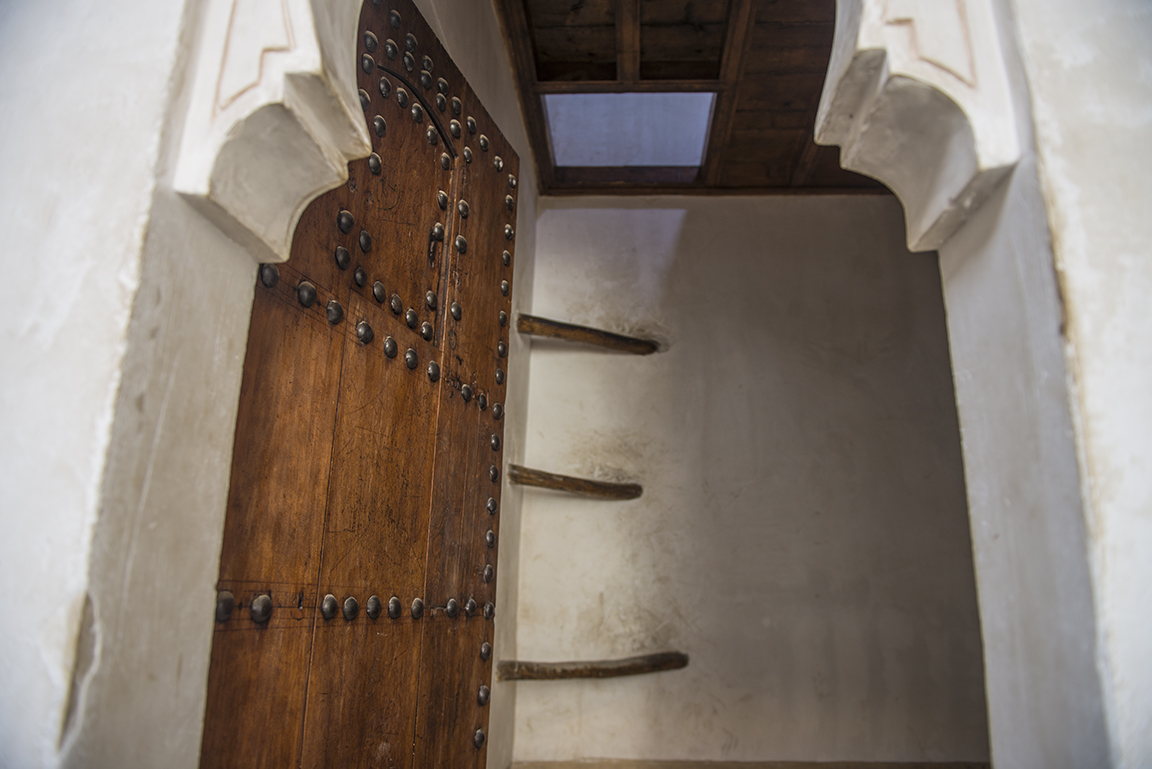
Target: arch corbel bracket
917, 96
273, 116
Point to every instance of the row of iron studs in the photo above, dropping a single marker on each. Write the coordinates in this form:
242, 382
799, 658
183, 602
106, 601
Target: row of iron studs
261, 608
368, 64
501, 352
306, 295
380, 126
262, 611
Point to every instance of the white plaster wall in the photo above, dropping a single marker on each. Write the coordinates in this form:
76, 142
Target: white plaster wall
143, 660
1089, 67
1036, 609
802, 534
1046, 286
82, 105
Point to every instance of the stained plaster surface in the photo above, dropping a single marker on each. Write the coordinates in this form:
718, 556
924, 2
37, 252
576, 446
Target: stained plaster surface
1089, 68
83, 96
119, 393
1050, 337
138, 686
1036, 609
803, 532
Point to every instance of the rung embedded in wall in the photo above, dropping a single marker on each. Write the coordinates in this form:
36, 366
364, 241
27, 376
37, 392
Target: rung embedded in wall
530, 324
585, 487
515, 670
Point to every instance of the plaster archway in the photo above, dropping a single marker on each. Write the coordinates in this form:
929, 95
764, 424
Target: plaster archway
273, 118
917, 96
882, 96
932, 98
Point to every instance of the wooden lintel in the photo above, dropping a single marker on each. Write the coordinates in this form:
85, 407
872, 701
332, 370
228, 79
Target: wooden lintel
741, 21
570, 332
626, 175
516, 670
585, 487
641, 86
628, 40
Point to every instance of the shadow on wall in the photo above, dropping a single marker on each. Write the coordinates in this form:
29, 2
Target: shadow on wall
803, 534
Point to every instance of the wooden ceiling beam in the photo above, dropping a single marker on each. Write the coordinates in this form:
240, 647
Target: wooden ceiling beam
642, 86
771, 72
518, 40
610, 175
741, 21
628, 41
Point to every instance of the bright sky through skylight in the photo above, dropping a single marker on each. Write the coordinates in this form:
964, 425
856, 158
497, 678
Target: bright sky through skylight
628, 129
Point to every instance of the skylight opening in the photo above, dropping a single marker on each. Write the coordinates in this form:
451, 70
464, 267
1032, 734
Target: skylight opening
629, 129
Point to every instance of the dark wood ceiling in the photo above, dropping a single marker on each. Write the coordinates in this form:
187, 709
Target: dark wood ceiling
765, 60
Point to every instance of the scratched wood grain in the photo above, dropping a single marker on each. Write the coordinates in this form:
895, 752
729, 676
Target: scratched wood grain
480, 282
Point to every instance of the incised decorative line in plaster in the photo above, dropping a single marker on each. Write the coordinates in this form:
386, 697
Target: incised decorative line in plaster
917, 96
273, 117
243, 64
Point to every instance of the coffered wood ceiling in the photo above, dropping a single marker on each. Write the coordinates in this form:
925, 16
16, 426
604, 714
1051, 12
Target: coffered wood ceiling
765, 60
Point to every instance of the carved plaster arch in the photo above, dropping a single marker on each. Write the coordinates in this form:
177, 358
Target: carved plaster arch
917, 96
273, 118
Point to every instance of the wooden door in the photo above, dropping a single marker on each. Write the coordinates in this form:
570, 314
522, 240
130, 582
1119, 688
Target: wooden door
357, 576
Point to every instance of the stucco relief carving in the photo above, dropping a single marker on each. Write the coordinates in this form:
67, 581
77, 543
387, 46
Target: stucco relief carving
273, 115
940, 37
917, 96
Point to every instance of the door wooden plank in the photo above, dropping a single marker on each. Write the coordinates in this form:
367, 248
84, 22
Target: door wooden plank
451, 678
398, 198
362, 691
378, 501
283, 441
361, 699
475, 362
466, 498
256, 692
272, 528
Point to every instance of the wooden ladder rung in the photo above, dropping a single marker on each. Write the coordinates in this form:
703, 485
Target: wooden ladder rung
517, 670
570, 332
586, 487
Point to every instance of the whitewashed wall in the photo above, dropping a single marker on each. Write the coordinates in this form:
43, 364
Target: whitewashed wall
1045, 267
1005, 328
84, 96
1088, 67
803, 532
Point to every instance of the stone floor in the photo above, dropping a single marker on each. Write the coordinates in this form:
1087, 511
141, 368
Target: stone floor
617, 764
